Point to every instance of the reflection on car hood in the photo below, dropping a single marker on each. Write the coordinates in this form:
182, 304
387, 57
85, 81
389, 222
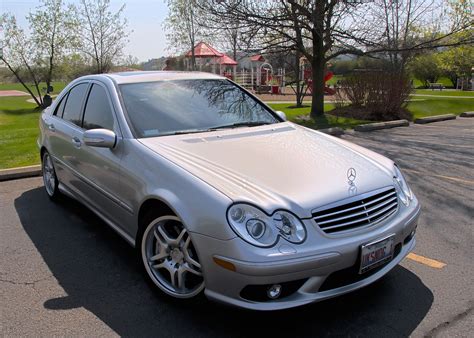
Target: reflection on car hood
276, 166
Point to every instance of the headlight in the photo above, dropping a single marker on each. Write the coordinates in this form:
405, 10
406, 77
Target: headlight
405, 193
259, 229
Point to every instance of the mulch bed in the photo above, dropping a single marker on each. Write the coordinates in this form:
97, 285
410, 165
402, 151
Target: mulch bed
362, 114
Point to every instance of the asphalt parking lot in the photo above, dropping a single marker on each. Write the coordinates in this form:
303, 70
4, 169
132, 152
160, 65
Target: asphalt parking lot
64, 272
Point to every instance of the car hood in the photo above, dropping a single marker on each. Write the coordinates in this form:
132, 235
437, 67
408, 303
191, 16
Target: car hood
277, 166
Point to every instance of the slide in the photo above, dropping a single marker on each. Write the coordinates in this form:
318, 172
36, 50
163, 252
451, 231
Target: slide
327, 90
328, 76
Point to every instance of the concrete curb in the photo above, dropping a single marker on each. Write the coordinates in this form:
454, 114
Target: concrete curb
381, 125
21, 172
336, 131
467, 114
436, 118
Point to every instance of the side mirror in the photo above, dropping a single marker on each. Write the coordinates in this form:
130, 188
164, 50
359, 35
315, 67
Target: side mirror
103, 138
281, 115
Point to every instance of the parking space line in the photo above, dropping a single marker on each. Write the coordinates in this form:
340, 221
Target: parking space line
456, 179
426, 261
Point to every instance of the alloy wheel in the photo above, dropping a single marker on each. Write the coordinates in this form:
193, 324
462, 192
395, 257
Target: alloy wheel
170, 258
49, 175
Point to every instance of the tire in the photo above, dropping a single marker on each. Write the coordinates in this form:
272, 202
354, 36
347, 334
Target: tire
166, 252
50, 179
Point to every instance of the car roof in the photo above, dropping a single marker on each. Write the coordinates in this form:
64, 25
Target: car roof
151, 76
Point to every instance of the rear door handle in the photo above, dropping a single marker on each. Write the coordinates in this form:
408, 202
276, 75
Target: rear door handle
51, 127
77, 143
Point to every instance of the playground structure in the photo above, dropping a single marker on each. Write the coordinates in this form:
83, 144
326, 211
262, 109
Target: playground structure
255, 73
260, 76
306, 75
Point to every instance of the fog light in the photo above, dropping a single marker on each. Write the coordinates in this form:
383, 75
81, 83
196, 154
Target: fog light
274, 291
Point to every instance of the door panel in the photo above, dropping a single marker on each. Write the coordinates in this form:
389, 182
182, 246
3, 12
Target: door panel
63, 128
100, 167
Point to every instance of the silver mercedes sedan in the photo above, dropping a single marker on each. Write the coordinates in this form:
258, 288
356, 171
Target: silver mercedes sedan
220, 195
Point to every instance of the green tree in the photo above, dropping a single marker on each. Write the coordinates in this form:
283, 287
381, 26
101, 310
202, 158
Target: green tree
17, 56
321, 30
457, 62
51, 26
71, 66
102, 33
426, 68
184, 27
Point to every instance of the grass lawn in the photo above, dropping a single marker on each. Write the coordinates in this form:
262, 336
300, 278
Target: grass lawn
429, 106
325, 122
416, 83
18, 132
438, 106
57, 86
448, 92
443, 80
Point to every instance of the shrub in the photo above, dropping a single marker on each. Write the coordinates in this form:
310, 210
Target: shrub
377, 95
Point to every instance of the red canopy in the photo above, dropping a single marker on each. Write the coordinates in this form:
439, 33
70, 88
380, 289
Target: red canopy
227, 60
202, 49
257, 58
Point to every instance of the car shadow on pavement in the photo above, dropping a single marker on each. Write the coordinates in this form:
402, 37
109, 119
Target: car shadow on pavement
98, 271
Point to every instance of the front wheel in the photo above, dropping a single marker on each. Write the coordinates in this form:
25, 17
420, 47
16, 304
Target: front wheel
50, 179
170, 258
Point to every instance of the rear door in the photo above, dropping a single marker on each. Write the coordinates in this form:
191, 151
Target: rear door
65, 134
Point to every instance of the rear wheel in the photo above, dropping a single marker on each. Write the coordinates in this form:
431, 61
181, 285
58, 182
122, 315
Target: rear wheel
170, 258
50, 179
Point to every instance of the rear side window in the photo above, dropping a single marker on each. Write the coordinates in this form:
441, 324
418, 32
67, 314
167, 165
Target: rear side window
72, 110
98, 112
60, 108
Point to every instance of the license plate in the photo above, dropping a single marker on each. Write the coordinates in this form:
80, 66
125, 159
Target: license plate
375, 254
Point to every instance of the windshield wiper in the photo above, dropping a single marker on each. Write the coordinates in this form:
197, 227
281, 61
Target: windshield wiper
241, 124
226, 126
180, 132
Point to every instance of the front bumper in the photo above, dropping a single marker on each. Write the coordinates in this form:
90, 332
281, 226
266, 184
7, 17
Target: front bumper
307, 266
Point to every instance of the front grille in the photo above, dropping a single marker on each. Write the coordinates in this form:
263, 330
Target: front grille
369, 209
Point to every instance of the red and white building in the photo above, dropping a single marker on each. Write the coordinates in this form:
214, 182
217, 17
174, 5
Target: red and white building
208, 59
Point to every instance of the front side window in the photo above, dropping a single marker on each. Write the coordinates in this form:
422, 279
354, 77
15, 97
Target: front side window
182, 106
72, 110
98, 112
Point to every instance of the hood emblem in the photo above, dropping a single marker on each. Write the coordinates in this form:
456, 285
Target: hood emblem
351, 176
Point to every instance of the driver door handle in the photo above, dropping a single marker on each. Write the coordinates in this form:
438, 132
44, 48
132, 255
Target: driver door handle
76, 142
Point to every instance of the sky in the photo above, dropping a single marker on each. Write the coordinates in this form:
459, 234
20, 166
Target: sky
145, 18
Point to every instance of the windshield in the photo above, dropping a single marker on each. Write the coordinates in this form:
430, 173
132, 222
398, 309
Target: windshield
186, 106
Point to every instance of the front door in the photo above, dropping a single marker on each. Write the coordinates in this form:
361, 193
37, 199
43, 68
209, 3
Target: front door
99, 168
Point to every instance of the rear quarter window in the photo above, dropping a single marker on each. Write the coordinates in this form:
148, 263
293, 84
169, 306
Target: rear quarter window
60, 107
